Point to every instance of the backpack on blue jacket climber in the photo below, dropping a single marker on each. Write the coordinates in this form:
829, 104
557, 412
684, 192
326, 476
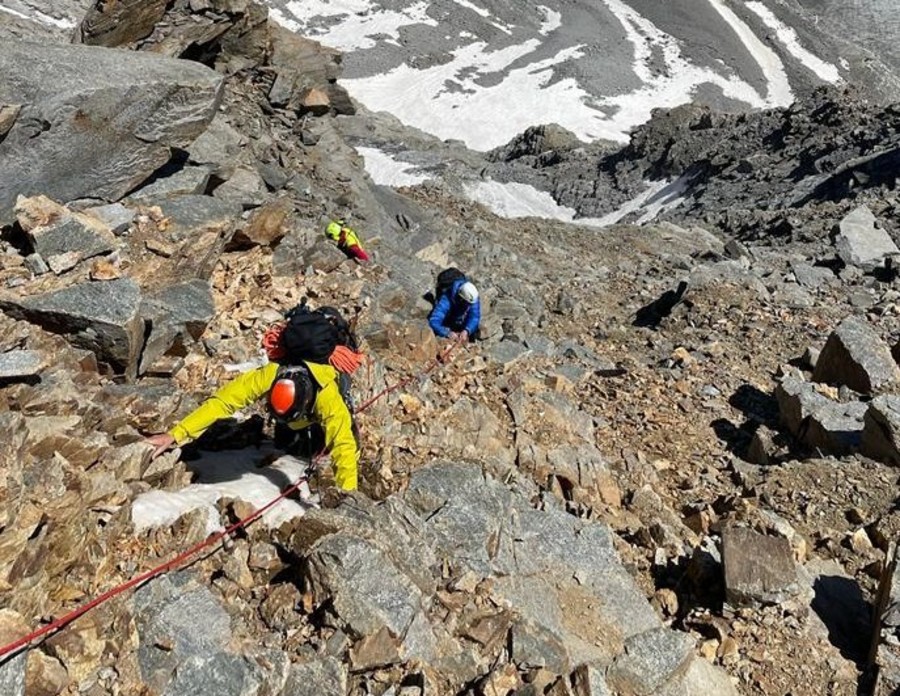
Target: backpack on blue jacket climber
445, 281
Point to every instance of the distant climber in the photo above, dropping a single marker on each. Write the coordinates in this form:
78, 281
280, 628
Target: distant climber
457, 308
306, 386
346, 239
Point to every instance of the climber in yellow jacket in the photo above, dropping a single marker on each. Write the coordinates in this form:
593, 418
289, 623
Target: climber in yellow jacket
346, 239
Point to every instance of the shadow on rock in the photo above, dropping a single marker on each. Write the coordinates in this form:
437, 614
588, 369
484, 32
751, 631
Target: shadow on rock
840, 604
650, 315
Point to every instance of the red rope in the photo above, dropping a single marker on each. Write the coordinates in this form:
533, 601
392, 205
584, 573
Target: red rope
66, 619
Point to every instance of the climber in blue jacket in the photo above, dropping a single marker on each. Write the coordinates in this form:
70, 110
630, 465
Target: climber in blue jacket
457, 310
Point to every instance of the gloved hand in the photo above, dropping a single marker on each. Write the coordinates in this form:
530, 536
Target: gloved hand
161, 442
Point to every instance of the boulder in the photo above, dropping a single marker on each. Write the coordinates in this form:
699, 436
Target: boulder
116, 23
818, 421
860, 243
650, 659
95, 122
881, 430
184, 182
178, 315
759, 569
177, 619
299, 64
266, 226
855, 356
54, 230
102, 317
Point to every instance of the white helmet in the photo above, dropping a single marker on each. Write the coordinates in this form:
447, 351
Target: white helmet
468, 292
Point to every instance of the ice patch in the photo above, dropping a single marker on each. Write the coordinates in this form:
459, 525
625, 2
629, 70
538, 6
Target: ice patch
515, 200
386, 171
788, 37
229, 474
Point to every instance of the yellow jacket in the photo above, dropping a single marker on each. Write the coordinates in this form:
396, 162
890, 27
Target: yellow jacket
329, 410
343, 235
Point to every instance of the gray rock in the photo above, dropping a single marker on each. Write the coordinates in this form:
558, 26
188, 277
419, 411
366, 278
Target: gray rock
700, 677
323, 677
367, 590
812, 277
224, 674
12, 675
189, 216
178, 620
71, 234
759, 569
36, 264
856, 357
860, 243
507, 352
816, 420
178, 315
185, 182
649, 661
217, 145
100, 316
95, 122
881, 432
20, 363
245, 187
115, 216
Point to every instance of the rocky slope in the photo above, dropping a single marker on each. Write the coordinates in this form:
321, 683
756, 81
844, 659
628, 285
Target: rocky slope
667, 468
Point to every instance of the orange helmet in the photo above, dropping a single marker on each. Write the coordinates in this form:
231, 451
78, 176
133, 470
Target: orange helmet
292, 395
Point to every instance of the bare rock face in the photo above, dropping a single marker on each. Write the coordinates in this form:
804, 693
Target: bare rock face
95, 122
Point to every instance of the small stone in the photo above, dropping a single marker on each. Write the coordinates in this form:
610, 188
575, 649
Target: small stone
860, 542
101, 269
709, 649
160, 248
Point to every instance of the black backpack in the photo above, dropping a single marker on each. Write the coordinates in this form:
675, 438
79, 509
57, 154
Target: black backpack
313, 334
445, 281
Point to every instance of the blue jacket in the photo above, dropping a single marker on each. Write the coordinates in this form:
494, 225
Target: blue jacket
452, 313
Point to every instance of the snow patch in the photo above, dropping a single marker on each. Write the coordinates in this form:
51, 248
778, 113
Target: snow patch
515, 200
471, 6
788, 37
38, 16
350, 25
387, 171
229, 474
779, 92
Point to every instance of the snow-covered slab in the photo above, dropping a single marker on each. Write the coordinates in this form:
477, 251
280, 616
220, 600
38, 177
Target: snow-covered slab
235, 474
